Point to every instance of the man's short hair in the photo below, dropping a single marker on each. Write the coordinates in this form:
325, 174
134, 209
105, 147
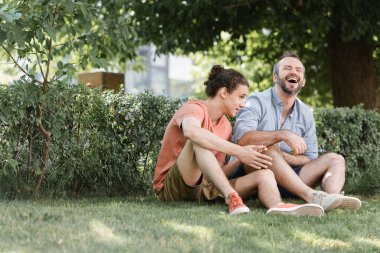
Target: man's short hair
289, 53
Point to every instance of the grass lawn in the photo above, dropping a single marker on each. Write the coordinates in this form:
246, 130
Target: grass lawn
148, 225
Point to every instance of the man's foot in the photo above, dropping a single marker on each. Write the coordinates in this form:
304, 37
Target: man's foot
327, 201
236, 205
297, 210
351, 203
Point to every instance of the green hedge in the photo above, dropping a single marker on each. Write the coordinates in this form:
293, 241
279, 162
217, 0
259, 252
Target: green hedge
355, 134
107, 144
102, 143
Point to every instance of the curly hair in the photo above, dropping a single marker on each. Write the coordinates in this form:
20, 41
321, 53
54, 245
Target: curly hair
220, 77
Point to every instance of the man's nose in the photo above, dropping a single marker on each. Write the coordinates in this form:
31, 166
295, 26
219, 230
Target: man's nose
293, 71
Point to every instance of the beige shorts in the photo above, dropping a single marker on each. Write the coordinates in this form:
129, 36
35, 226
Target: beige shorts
175, 188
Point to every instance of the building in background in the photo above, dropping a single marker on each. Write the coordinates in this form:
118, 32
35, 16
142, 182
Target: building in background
165, 74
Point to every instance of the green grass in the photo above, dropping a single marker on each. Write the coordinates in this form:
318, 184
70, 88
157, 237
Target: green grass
148, 225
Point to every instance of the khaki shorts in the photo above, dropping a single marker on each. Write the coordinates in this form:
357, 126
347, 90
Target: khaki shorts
175, 188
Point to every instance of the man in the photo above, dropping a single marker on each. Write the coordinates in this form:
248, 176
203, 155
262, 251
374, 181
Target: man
276, 115
191, 164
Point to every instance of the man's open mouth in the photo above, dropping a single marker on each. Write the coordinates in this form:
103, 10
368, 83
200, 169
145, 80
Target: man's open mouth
292, 80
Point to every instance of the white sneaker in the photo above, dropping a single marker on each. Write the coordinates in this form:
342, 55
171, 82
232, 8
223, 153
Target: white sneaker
351, 203
327, 201
297, 210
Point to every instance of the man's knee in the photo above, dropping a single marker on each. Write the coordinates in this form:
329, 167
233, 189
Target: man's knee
334, 159
264, 176
275, 153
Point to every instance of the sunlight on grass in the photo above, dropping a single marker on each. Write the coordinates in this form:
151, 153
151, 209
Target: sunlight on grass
245, 225
203, 233
372, 241
318, 241
104, 233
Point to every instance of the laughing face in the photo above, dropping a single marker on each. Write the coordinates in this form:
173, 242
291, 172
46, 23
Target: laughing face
291, 75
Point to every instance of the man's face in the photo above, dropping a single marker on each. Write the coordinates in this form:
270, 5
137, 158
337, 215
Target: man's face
291, 75
235, 101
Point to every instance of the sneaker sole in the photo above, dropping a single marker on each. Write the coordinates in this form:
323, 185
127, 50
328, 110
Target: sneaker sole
334, 204
240, 210
350, 203
301, 210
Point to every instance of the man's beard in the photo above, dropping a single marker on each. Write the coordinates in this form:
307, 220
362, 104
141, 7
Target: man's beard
281, 83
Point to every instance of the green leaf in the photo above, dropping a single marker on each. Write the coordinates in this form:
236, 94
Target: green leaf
38, 171
13, 163
85, 13
39, 34
50, 31
9, 15
18, 36
3, 36
69, 5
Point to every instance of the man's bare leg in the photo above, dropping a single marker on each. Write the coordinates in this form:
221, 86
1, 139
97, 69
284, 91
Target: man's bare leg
288, 179
328, 170
285, 176
264, 182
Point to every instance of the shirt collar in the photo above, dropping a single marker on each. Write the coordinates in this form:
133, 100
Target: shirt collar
277, 101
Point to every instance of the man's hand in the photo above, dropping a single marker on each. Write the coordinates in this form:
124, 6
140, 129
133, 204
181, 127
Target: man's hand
296, 143
251, 155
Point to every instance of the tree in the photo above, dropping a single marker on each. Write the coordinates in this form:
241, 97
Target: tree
49, 40
337, 40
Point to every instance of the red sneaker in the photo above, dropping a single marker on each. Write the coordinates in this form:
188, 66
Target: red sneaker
236, 205
297, 210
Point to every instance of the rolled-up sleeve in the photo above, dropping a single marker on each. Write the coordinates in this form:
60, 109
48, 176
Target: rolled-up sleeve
248, 118
311, 139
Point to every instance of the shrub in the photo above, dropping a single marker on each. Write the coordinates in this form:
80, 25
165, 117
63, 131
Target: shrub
102, 143
107, 144
355, 134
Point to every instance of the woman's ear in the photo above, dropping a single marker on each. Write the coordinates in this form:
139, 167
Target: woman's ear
223, 92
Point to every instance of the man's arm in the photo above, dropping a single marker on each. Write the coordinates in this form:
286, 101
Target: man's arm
193, 131
295, 160
268, 138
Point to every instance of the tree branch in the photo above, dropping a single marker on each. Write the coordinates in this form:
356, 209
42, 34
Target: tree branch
18, 65
39, 63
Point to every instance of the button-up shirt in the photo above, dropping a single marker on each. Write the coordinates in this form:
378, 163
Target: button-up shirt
263, 113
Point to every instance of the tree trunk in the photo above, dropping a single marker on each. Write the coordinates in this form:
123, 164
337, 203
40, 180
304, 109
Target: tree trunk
353, 73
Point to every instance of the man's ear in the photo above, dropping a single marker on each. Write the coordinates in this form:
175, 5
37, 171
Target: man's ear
275, 77
304, 82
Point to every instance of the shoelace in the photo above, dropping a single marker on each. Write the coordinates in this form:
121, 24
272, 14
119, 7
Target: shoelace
234, 202
320, 195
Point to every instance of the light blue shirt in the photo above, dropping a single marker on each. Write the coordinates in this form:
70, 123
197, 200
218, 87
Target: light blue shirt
263, 112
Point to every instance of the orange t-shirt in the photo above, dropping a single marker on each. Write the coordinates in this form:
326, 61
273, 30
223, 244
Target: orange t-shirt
174, 140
